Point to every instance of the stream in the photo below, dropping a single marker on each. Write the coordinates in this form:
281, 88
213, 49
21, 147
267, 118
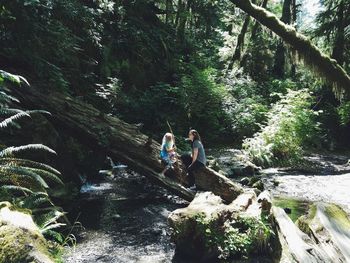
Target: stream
125, 216
125, 220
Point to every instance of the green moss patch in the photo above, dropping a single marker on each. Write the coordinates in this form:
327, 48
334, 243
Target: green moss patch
339, 215
296, 206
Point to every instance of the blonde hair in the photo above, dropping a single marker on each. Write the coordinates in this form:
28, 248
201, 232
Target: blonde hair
168, 137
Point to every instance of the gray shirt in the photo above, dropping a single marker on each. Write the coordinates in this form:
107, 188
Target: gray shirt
201, 154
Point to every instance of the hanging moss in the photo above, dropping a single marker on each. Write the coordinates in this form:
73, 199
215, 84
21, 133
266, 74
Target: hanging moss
320, 63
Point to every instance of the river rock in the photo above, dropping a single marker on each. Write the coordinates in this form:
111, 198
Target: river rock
244, 181
20, 239
246, 168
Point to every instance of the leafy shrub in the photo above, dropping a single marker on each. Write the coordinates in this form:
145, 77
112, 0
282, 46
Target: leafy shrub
291, 127
245, 106
196, 100
240, 237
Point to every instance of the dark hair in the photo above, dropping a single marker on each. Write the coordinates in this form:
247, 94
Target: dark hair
195, 134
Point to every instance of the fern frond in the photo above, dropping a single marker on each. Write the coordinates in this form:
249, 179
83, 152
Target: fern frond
16, 188
20, 171
5, 98
20, 180
39, 111
28, 163
36, 200
49, 220
13, 78
46, 209
45, 174
9, 111
13, 150
56, 236
51, 226
10, 120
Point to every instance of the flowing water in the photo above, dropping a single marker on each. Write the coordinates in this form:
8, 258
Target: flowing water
125, 217
125, 220
326, 188
330, 184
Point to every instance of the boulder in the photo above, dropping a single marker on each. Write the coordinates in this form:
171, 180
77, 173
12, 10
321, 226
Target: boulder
20, 239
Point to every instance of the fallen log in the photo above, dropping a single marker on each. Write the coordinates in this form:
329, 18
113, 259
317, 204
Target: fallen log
209, 180
296, 245
328, 226
120, 140
208, 229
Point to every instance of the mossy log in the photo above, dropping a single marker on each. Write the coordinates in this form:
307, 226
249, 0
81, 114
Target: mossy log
326, 67
205, 229
296, 245
209, 180
329, 226
120, 140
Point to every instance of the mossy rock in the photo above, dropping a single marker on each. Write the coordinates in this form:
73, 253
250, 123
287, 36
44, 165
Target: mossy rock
20, 239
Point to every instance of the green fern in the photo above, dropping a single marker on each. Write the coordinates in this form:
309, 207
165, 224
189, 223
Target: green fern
24, 181
29, 163
15, 188
10, 151
10, 120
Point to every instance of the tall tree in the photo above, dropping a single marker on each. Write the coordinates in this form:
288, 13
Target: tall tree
332, 23
253, 35
281, 51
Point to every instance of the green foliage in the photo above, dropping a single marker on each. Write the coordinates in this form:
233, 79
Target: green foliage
238, 238
245, 106
291, 127
204, 102
25, 182
196, 100
344, 113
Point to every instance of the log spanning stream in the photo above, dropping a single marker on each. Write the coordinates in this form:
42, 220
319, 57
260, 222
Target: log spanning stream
125, 217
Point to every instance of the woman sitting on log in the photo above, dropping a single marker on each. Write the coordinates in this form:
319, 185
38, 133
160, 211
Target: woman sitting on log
197, 159
167, 152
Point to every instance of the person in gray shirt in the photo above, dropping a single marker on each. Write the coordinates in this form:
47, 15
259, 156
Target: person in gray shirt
199, 159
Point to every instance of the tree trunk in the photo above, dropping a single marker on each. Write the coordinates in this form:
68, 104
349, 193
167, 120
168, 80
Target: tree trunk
182, 19
326, 67
253, 36
240, 43
121, 141
339, 43
169, 12
280, 56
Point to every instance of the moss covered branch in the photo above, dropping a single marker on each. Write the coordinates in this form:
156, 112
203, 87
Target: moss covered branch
327, 68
